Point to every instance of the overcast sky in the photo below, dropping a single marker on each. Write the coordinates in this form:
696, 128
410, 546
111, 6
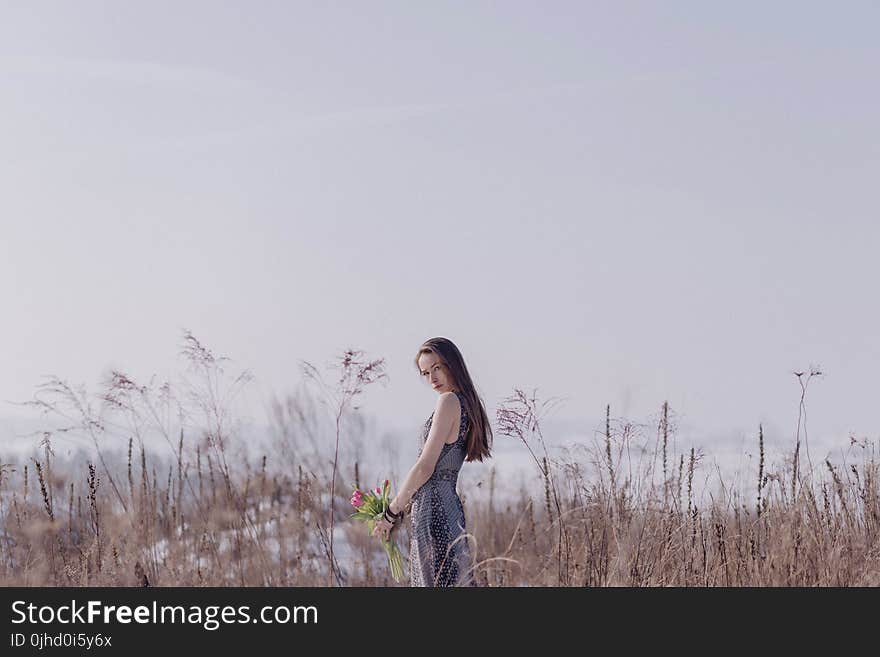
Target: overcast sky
615, 202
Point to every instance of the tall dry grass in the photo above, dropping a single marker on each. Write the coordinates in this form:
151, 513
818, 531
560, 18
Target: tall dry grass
626, 522
621, 510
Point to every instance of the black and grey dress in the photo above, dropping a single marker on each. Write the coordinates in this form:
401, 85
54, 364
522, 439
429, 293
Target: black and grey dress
439, 554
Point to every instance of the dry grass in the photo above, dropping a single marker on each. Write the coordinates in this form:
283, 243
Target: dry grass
632, 534
622, 511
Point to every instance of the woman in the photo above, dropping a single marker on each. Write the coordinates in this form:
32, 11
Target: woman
457, 431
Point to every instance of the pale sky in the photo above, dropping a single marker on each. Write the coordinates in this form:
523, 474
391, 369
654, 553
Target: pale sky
614, 202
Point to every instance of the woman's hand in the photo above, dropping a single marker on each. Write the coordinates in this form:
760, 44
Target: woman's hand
384, 529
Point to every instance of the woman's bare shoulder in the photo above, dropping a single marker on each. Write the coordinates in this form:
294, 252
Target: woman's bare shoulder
448, 414
447, 402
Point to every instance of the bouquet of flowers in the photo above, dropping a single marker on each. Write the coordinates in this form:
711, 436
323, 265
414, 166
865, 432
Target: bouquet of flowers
370, 508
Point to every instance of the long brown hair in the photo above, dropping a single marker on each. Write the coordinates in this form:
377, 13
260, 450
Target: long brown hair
479, 437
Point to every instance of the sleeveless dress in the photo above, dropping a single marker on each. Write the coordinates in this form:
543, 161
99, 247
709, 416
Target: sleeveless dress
436, 558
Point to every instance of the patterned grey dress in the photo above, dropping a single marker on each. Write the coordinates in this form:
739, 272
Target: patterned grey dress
436, 558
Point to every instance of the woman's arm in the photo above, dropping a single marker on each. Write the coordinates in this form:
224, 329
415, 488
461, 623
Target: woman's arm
445, 414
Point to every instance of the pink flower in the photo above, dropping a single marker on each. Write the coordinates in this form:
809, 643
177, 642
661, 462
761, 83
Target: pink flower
378, 490
357, 499
386, 483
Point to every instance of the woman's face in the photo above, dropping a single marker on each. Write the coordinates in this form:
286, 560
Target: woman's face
435, 373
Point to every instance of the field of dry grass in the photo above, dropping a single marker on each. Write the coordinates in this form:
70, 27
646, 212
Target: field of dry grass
203, 513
